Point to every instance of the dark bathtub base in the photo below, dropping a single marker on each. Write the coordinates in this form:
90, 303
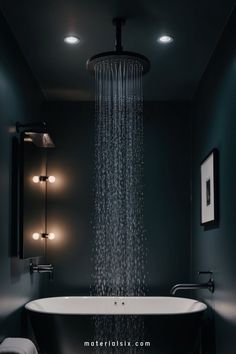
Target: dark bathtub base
66, 334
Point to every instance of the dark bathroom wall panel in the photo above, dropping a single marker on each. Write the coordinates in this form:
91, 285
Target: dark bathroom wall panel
167, 130
70, 198
215, 127
166, 188
20, 99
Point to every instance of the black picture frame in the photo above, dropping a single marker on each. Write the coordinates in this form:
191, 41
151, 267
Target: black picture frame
209, 209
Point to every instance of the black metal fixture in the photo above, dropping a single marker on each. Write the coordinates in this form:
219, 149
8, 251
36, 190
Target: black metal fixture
37, 133
42, 268
36, 126
209, 285
118, 53
38, 179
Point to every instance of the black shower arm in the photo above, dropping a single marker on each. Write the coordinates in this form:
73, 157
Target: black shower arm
118, 22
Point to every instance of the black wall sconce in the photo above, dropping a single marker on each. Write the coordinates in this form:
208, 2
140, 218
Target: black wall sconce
38, 179
44, 235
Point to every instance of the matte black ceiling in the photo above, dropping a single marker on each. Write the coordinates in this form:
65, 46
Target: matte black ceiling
176, 69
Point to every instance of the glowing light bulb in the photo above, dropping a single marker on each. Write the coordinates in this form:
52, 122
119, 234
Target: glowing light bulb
165, 39
71, 40
36, 235
51, 236
51, 179
36, 179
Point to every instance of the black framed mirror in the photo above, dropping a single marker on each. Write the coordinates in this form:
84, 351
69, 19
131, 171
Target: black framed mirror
33, 192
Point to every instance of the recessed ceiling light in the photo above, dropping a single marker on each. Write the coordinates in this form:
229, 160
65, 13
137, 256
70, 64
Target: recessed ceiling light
71, 40
165, 39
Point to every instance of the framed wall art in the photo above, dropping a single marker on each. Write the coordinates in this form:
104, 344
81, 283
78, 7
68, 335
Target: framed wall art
209, 189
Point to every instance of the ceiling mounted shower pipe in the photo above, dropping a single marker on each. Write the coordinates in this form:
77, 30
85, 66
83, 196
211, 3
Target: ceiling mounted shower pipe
118, 53
118, 22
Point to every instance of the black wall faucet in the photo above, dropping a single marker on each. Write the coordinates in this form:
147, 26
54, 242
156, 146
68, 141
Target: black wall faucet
209, 285
42, 268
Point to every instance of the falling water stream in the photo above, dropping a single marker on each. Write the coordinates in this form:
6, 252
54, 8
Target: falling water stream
119, 253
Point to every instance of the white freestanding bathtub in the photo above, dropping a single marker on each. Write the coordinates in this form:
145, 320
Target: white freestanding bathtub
63, 324
101, 305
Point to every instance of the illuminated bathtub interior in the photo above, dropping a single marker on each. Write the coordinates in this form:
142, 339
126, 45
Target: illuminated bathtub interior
92, 305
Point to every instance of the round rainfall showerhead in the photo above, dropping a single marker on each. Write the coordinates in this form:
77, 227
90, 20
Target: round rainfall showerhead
118, 53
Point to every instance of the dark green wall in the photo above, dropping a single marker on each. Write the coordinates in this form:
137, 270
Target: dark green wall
214, 126
70, 197
20, 99
166, 191
167, 201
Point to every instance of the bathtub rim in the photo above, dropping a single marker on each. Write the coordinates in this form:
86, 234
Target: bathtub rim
114, 298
